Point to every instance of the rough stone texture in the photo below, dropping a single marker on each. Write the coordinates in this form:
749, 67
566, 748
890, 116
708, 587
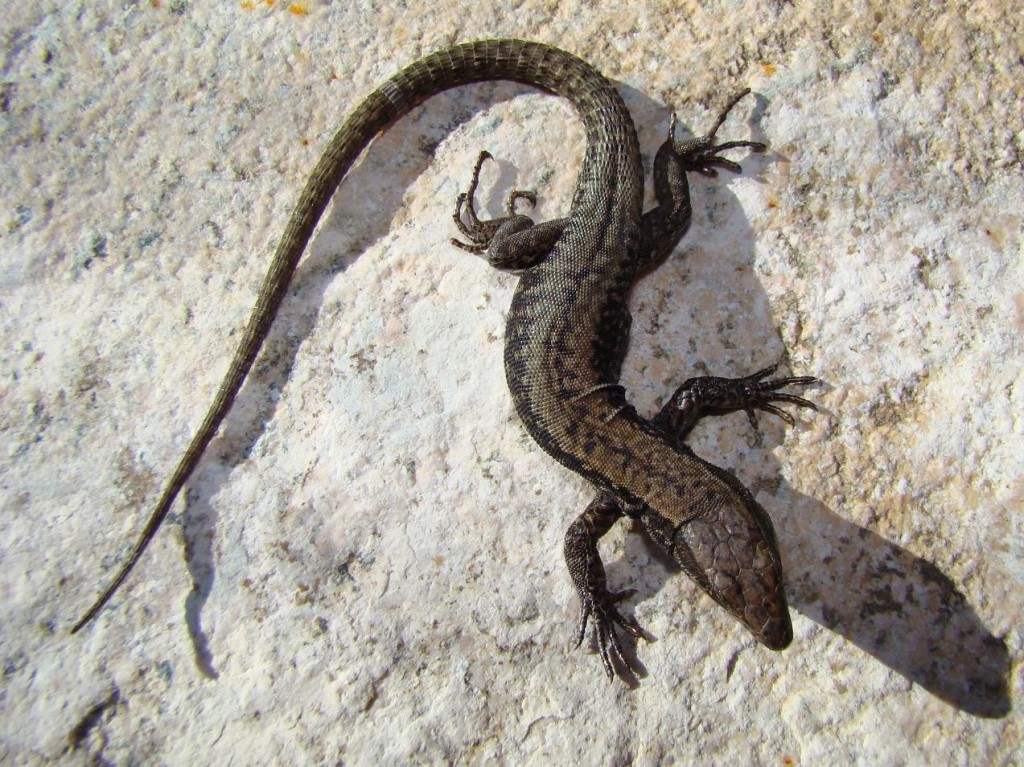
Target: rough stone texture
367, 567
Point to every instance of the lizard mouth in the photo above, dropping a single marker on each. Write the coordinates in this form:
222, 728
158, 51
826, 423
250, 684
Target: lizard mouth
777, 631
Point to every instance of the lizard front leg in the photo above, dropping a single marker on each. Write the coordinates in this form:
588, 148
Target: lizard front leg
711, 395
587, 572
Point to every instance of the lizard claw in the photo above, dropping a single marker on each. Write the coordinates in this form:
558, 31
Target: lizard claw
601, 605
702, 155
483, 234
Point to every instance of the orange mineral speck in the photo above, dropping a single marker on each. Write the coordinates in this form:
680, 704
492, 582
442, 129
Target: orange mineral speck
298, 9
769, 69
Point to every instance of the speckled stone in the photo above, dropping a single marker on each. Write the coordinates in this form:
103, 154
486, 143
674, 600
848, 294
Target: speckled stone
367, 566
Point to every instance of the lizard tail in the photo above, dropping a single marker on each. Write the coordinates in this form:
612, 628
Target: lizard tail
535, 64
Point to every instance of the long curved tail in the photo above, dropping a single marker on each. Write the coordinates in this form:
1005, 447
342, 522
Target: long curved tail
535, 64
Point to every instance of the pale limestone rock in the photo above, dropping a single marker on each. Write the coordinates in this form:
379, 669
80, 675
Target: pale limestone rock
377, 540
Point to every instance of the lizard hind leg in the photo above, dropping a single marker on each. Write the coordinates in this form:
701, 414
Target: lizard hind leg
665, 224
702, 154
511, 242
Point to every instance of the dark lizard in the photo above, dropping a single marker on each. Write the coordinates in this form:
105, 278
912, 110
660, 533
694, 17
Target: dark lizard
566, 337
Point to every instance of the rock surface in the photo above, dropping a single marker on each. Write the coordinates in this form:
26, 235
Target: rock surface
367, 566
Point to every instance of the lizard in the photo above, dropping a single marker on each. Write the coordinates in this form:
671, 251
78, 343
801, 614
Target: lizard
565, 340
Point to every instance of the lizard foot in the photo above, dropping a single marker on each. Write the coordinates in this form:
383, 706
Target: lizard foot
480, 233
702, 155
717, 396
601, 605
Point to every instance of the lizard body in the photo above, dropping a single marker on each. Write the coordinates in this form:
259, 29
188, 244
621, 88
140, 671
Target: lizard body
566, 337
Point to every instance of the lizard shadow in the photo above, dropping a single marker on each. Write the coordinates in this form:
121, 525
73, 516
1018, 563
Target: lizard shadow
899, 608
896, 606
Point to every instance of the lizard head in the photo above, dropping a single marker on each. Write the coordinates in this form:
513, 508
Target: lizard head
729, 549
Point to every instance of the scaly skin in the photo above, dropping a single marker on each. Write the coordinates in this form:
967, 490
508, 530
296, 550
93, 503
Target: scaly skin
566, 336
